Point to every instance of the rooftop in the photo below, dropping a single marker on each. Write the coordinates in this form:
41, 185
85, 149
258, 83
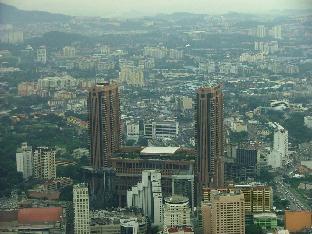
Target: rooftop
159, 150
176, 199
40, 215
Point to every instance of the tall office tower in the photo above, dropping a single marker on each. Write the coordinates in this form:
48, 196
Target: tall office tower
81, 209
183, 185
104, 123
24, 157
279, 154
177, 211
42, 54
225, 213
209, 138
261, 31
147, 195
44, 163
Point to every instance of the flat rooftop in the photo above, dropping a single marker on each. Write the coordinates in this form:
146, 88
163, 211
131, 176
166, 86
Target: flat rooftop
159, 150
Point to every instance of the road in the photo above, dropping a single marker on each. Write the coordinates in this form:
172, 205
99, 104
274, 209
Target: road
285, 192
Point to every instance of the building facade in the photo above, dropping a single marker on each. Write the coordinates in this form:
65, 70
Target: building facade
161, 129
147, 195
81, 209
279, 155
177, 211
24, 160
44, 163
225, 213
209, 137
42, 55
104, 123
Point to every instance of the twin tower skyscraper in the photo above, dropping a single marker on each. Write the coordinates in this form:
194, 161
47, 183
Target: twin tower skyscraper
105, 131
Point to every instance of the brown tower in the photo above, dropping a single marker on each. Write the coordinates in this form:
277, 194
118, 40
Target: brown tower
104, 123
209, 138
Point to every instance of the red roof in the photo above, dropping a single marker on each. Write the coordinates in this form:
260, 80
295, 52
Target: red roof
40, 215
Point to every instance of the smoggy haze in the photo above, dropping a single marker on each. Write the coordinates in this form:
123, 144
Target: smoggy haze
147, 7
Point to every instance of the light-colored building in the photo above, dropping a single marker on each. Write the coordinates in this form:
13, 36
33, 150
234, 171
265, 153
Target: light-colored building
57, 83
308, 121
279, 154
175, 54
225, 213
258, 197
161, 129
155, 52
131, 75
261, 31
177, 211
69, 51
24, 160
44, 163
185, 103
133, 130
81, 209
42, 55
147, 195
277, 32
12, 37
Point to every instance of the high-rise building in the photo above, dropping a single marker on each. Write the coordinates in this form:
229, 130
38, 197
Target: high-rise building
277, 32
81, 209
279, 154
42, 54
104, 123
147, 195
24, 160
225, 213
209, 137
261, 31
44, 163
69, 51
177, 211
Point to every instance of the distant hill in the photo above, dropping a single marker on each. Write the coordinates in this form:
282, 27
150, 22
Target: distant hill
12, 15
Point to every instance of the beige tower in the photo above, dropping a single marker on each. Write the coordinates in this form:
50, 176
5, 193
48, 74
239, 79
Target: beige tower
44, 163
225, 213
81, 209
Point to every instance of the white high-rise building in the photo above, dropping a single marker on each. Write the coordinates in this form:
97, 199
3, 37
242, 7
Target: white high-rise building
177, 211
147, 195
277, 32
24, 157
279, 154
42, 54
81, 209
44, 163
261, 31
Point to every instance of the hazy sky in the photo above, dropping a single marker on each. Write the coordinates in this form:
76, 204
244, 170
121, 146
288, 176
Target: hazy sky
119, 7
